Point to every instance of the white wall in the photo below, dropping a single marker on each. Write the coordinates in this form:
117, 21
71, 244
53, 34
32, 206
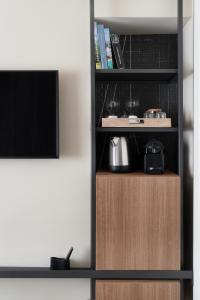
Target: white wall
45, 204
188, 99
188, 137
44, 289
142, 8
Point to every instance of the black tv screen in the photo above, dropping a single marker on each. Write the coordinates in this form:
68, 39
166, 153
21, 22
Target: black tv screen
29, 114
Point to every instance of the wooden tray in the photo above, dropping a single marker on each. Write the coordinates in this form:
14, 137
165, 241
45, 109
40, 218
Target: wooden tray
124, 122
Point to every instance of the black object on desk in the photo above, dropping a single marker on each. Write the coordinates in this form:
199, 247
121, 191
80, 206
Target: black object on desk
61, 263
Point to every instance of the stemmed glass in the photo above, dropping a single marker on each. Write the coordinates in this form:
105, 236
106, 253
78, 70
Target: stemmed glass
113, 106
132, 104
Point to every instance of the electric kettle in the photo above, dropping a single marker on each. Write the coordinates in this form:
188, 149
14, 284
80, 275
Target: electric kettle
119, 154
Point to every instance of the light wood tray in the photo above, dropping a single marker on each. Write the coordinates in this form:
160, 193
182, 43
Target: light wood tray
124, 122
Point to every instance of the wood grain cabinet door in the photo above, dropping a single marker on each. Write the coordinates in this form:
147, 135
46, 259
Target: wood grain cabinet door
137, 290
137, 222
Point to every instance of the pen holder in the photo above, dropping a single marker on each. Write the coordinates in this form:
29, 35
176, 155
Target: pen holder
57, 263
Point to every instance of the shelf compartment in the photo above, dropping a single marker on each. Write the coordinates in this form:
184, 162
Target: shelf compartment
152, 51
149, 94
136, 74
132, 129
38, 272
138, 138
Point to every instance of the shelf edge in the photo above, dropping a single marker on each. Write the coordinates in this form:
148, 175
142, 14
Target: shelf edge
93, 274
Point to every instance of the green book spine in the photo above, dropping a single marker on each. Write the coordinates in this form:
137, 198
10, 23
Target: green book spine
97, 48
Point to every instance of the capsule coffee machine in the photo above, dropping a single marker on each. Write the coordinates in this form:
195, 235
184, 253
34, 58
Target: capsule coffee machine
154, 160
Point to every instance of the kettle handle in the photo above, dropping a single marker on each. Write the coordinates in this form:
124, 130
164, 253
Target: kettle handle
115, 141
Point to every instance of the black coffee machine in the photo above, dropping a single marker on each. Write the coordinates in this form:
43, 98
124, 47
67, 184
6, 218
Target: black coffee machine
154, 160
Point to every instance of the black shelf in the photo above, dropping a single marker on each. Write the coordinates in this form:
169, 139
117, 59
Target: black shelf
136, 74
136, 129
35, 272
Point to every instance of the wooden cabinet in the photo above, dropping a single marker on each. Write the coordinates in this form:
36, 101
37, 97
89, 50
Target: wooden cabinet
137, 221
137, 290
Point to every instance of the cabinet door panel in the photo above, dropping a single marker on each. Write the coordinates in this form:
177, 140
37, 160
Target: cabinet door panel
137, 290
137, 221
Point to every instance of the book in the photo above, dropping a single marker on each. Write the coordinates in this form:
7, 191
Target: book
97, 49
117, 51
102, 46
108, 48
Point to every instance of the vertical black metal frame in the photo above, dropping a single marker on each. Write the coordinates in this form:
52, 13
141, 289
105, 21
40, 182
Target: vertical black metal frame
180, 112
93, 150
180, 123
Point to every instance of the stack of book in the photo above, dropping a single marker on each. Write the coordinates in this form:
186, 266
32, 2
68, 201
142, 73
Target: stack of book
108, 53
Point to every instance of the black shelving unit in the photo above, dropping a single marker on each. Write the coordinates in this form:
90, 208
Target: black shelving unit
161, 82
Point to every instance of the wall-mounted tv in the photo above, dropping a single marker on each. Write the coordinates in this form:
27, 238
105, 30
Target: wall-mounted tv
29, 114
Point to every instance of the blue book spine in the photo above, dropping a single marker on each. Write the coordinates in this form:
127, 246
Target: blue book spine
102, 46
108, 48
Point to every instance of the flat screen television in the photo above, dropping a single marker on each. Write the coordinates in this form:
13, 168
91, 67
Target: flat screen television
29, 114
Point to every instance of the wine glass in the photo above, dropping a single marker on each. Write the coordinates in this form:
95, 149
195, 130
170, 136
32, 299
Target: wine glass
132, 104
113, 106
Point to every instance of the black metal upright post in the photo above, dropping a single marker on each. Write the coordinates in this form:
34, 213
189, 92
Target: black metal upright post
180, 113
93, 150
